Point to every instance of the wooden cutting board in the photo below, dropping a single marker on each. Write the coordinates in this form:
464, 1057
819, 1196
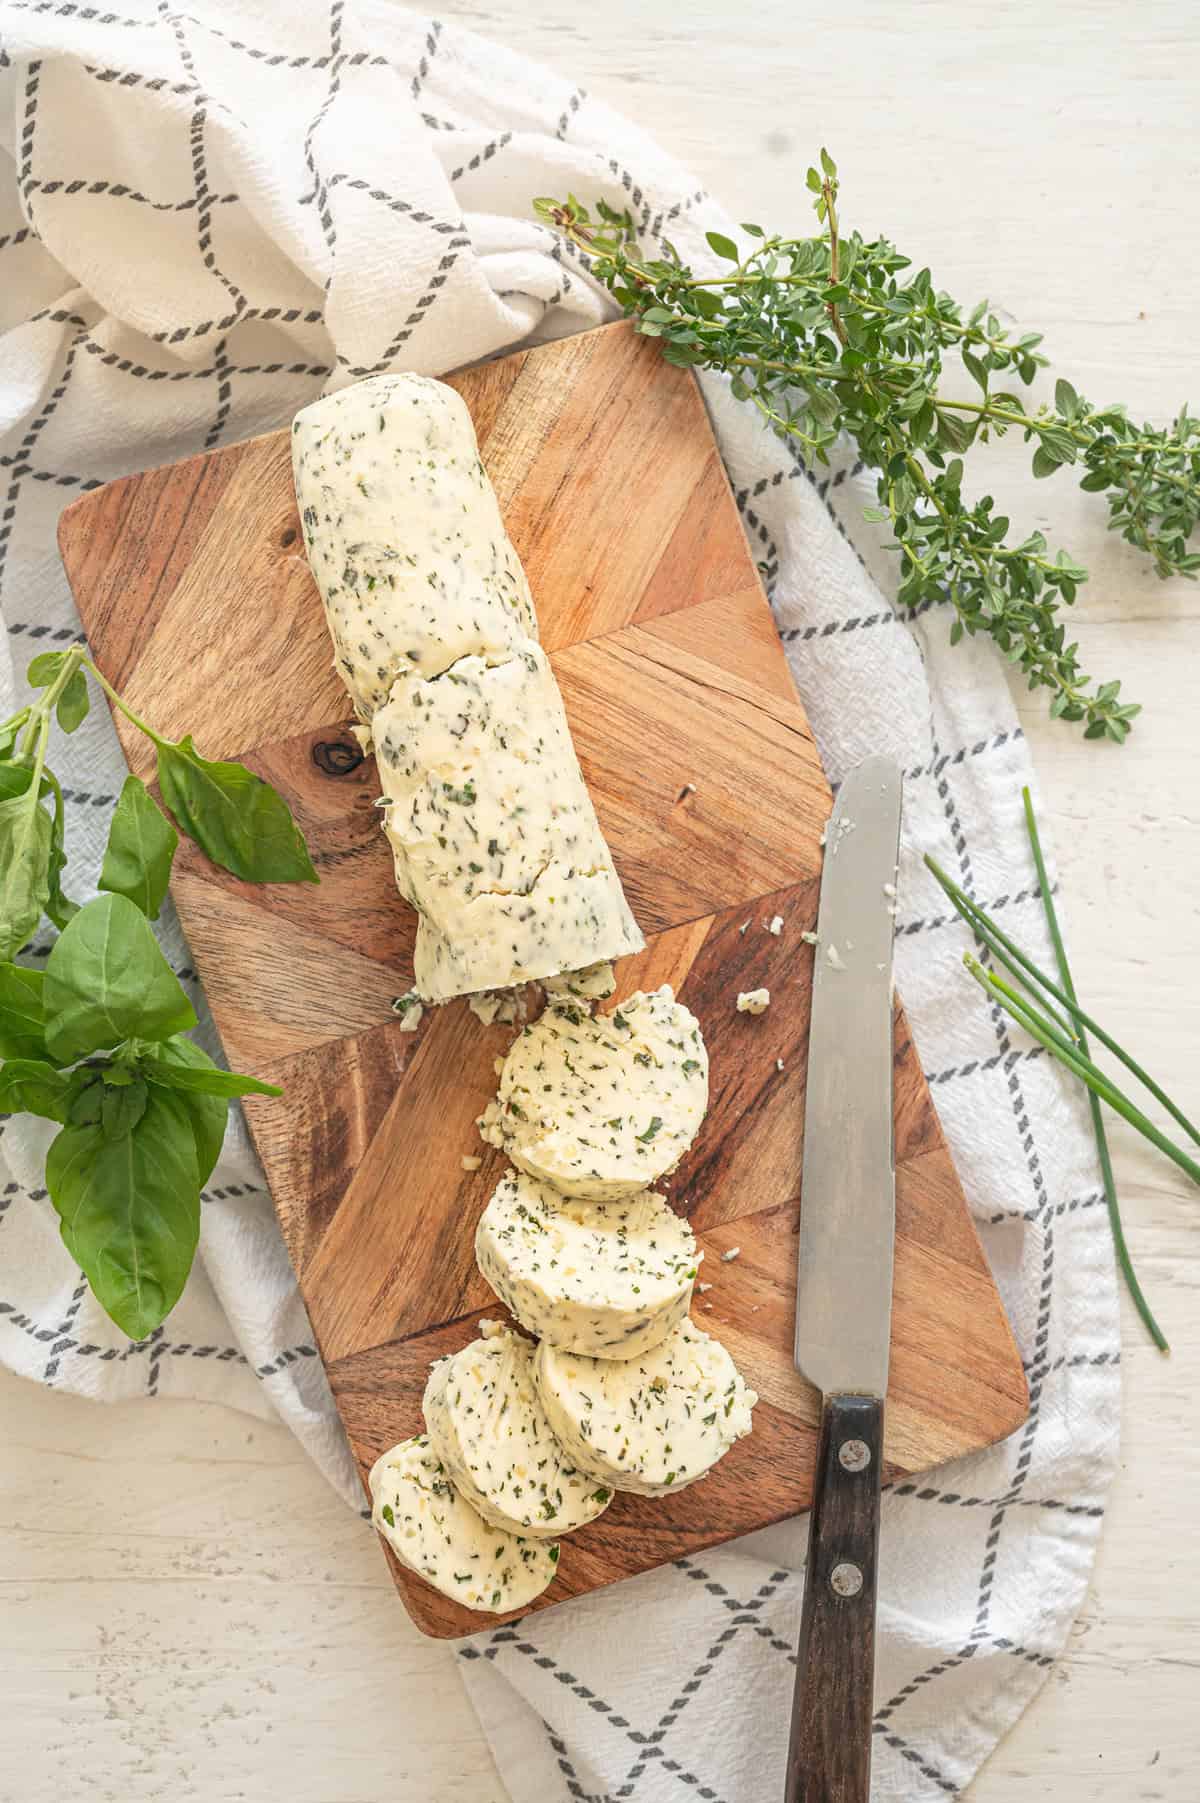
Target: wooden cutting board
196, 597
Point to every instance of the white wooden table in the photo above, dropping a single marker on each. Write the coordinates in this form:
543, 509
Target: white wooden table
186, 1611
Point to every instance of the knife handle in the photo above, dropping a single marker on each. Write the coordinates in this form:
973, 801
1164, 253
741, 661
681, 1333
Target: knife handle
829, 1754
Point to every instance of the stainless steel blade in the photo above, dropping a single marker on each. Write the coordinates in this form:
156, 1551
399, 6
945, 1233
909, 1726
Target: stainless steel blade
848, 1201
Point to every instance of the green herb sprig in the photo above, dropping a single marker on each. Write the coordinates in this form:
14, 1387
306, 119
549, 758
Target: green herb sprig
95, 1042
829, 336
1050, 1013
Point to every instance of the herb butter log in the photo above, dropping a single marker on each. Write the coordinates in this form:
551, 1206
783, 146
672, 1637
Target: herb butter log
600, 1106
436, 1534
487, 1427
650, 1425
609, 1279
494, 835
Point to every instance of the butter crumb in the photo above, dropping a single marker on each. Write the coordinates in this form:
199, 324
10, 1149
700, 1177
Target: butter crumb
410, 1010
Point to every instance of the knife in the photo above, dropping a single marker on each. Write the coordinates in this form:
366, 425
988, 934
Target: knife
844, 1283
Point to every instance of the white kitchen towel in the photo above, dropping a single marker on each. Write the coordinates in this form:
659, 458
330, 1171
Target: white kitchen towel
206, 218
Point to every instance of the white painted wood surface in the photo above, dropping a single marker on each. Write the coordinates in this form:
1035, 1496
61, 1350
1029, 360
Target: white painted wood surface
186, 1611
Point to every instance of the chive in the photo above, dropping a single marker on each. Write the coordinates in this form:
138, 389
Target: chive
1004, 949
1044, 1032
1098, 1129
1069, 1044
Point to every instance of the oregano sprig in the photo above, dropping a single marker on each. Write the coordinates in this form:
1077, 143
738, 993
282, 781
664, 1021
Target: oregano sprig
829, 336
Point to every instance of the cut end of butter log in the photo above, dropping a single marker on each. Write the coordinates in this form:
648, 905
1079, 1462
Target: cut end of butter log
488, 1429
600, 1106
608, 1279
436, 1534
494, 836
649, 1425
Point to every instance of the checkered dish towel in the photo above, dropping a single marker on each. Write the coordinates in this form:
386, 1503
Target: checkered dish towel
206, 219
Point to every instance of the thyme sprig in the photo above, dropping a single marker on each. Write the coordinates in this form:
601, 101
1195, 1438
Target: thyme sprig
828, 336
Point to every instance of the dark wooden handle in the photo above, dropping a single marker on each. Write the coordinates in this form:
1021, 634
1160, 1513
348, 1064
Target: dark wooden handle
829, 1755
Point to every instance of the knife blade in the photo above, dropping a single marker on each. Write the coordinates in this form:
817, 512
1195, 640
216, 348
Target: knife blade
847, 1213
844, 1283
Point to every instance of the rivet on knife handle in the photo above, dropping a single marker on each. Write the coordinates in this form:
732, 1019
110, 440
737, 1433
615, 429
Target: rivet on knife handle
829, 1754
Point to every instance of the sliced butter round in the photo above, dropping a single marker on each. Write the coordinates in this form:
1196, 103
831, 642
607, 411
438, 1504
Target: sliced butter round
601, 1105
487, 1427
433, 1531
650, 1425
609, 1279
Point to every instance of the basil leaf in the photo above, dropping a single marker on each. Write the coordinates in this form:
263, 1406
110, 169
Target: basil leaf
14, 779
141, 845
242, 823
209, 1081
10, 733
21, 1021
209, 1115
44, 668
85, 1103
25, 836
73, 703
130, 1211
121, 1108
107, 981
31, 1086
61, 909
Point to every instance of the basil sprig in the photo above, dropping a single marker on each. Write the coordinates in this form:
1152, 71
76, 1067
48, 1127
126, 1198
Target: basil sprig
236, 818
141, 1110
95, 1042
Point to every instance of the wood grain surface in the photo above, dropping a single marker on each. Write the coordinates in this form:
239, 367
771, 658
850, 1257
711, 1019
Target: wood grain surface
708, 787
